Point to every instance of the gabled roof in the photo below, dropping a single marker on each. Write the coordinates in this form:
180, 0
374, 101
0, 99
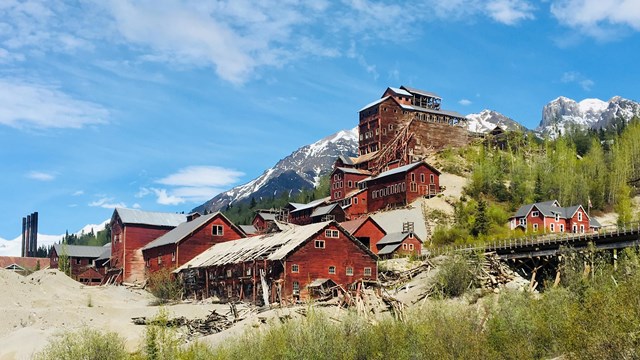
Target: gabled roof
23, 262
347, 160
310, 205
594, 223
273, 247
388, 249
353, 171
79, 250
420, 92
393, 238
549, 209
353, 225
267, 215
139, 217
187, 229
323, 210
399, 91
248, 229
375, 103
106, 252
402, 169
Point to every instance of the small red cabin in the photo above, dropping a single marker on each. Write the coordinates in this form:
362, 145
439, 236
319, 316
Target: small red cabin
366, 230
549, 216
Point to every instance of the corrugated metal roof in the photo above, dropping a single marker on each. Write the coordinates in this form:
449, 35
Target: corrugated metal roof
184, 230
79, 250
347, 160
323, 210
311, 205
374, 103
594, 223
392, 238
266, 215
420, 92
400, 91
391, 221
388, 249
106, 253
353, 225
354, 171
131, 216
274, 246
248, 229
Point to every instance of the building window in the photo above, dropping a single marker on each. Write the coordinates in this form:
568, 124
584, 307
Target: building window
217, 230
432, 179
411, 247
229, 273
422, 177
349, 184
78, 261
582, 229
332, 269
296, 288
552, 227
148, 262
404, 246
159, 259
349, 271
173, 256
294, 268
248, 272
535, 227
331, 233
391, 125
557, 217
367, 271
523, 221
414, 187
575, 229
413, 177
535, 214
355, 200
579, 216
319, 244
561, 227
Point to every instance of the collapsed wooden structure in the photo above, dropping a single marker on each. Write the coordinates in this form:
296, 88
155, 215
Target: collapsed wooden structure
280, 267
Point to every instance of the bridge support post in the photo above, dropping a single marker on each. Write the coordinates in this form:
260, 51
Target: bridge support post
615, 259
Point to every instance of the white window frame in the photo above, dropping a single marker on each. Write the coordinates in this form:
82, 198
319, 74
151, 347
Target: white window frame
295, 268
535, 227
332, 270
535, 214
404, 246
579, 216
561, 227
319, 244
367, 271
332, 233
159, 259
557, 217
349, 271
552, 227
295, 286
173, 256
582, 229
411, 247
217, 230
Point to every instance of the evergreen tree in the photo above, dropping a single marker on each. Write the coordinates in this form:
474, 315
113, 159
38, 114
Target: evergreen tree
481, 224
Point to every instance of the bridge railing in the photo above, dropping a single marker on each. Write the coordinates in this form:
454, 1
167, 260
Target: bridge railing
541, 239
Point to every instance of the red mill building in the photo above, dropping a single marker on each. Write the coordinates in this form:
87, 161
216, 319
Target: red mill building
404, 126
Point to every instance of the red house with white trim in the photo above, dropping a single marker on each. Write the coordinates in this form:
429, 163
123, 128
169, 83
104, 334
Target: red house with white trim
549, 216
366, 230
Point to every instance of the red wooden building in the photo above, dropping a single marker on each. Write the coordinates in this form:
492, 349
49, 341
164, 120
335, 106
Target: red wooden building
264, 219
300, 214
282, 266
23, 265
549, 216
366, 230
188, 240
401, 186
130, 231
80, 257
399, 244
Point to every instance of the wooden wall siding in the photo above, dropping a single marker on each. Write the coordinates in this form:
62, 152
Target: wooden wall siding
189, 247
406, 196
432, 136
90, 277
301, 217
129, 250
417, 247
359, 208
373, 232
259, 223
544, 223
77, 264
340, 183
313, 263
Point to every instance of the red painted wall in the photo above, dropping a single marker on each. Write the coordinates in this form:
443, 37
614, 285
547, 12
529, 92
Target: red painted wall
78, 264
358, 206
372, 231
402, 188
313, 263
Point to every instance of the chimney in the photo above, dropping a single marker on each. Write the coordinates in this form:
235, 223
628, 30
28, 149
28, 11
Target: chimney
24, 237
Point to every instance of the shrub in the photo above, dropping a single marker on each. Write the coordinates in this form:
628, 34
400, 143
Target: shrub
165, 286
85, 344
455, 276
161, 342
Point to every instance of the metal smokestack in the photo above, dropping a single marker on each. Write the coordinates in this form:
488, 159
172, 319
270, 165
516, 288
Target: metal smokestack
34, 234
24, 237
27, 242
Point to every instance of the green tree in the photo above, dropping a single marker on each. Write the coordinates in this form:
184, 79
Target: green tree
481, 224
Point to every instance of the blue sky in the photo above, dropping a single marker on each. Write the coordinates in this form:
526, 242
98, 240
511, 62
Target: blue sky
160, 105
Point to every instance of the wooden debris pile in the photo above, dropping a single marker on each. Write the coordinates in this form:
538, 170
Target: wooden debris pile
391, 279
492, 273
213, 323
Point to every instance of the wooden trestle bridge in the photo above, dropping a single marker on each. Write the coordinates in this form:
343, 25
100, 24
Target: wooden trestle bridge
549, 245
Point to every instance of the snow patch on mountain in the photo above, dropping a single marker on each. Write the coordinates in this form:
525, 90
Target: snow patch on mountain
301, 169
562, 113
487, 120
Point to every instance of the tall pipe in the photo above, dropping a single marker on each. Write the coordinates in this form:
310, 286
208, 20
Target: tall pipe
34, 234
24, 237
27, 243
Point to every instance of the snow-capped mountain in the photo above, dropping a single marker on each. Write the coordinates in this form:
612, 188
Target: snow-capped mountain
13, 247
302, 169
487, 120
562, 113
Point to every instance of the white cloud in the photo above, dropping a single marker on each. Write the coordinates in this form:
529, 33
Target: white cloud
194, 176
107, 203
598, 18
465, 102
509, 12
41, 176
32, 105
192, 184
78, 193
577, 78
